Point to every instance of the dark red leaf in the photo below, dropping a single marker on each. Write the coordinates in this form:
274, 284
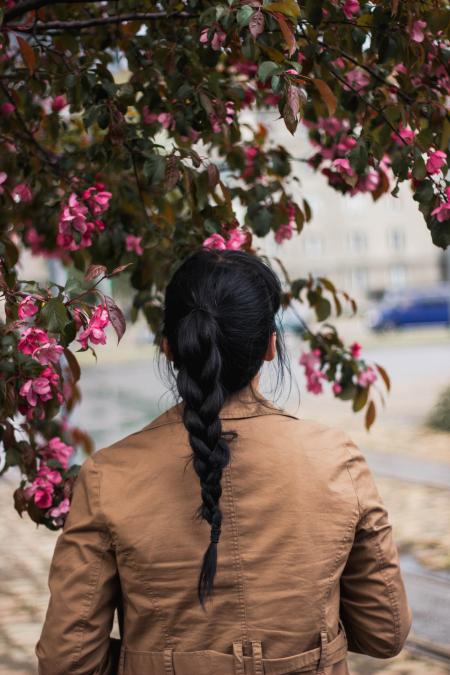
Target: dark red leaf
116, 317
94, 271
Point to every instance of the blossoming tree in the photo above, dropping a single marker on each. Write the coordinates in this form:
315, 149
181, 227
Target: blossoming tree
126, 176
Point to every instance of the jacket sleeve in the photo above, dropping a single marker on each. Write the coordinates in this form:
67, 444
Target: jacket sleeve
84, 588
374, 606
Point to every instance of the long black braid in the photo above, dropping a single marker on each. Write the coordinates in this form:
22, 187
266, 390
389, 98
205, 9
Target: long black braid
199, 384
219, 313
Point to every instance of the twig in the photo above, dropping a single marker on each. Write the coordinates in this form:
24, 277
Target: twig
49, 26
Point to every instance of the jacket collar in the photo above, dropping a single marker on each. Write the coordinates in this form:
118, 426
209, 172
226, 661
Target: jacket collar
239, 406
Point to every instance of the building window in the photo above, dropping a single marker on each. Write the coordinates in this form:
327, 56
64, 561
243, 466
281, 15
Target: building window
396, 239
397, 276
313, 244
359, 278
357, 241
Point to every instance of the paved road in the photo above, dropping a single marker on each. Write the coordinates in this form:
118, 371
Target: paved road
413, 469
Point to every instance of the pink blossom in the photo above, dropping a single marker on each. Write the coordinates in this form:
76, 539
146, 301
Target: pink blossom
355, 350
435, 162
337, 388
61, 509
27, 307
343, 166
31, 338
236, 239
97, 199
350, 8
286, 230
56, 449
357, 79
76, 227
405, 133
36, 343
416, 31
366, 377
7, 109
442, 212
311, 363
36, 390
42, 487
22, 193
59, 102
215, 241
94, 332
133, 243
218, 38
3, 178
48, 353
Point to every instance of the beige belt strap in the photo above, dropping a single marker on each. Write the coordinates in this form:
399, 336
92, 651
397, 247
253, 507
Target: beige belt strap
238, 658
323, 651
168, 661
257, 663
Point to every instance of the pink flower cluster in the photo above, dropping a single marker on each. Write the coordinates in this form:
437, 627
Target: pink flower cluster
58, 450
79, 217
350, 9
416, 30
27, 308
218, 120
36, 391
166, 119
35, 342
366, 377
311, 363
251, 152
286, 230
217, 39
436, 160
133, 244
95, 330
235, 240
442, 212
43, 486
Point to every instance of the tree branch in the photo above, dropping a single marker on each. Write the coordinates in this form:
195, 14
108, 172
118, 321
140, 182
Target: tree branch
49, 26
30, 5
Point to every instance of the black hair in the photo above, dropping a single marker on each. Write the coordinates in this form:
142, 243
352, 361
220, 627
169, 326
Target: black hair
219, 314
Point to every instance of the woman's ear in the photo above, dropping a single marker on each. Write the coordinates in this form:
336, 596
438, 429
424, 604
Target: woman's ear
166, 348
272, 348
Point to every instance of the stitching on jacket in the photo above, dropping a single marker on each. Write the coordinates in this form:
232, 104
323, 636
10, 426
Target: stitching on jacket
156, 606
347, 466
93, 583
236, 552
392, 597
347, 539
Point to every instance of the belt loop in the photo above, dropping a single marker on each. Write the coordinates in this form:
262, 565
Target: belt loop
168, 661
323, 651
257, 662
239, 667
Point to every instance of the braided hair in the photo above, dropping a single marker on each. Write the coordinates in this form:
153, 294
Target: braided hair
219, 315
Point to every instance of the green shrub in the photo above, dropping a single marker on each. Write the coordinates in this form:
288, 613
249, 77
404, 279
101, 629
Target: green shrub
439, 417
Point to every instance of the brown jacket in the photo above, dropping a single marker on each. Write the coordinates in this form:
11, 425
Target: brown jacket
306, 558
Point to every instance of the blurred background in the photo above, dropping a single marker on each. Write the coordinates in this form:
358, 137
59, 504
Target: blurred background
382, 255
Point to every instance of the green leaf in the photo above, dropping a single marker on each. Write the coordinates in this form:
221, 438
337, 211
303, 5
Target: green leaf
424, 192
360, 398
243, 15
323, 309
359, 157
267, 69
55, 315
289, 8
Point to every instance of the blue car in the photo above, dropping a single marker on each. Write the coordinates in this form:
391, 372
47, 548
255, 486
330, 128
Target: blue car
427, 306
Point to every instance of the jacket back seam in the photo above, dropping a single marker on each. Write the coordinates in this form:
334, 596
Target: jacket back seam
237, 561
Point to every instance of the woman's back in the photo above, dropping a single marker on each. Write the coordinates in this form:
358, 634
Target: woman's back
298, 503
229, 534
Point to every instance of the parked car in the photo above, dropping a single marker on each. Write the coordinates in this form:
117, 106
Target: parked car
411, 307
